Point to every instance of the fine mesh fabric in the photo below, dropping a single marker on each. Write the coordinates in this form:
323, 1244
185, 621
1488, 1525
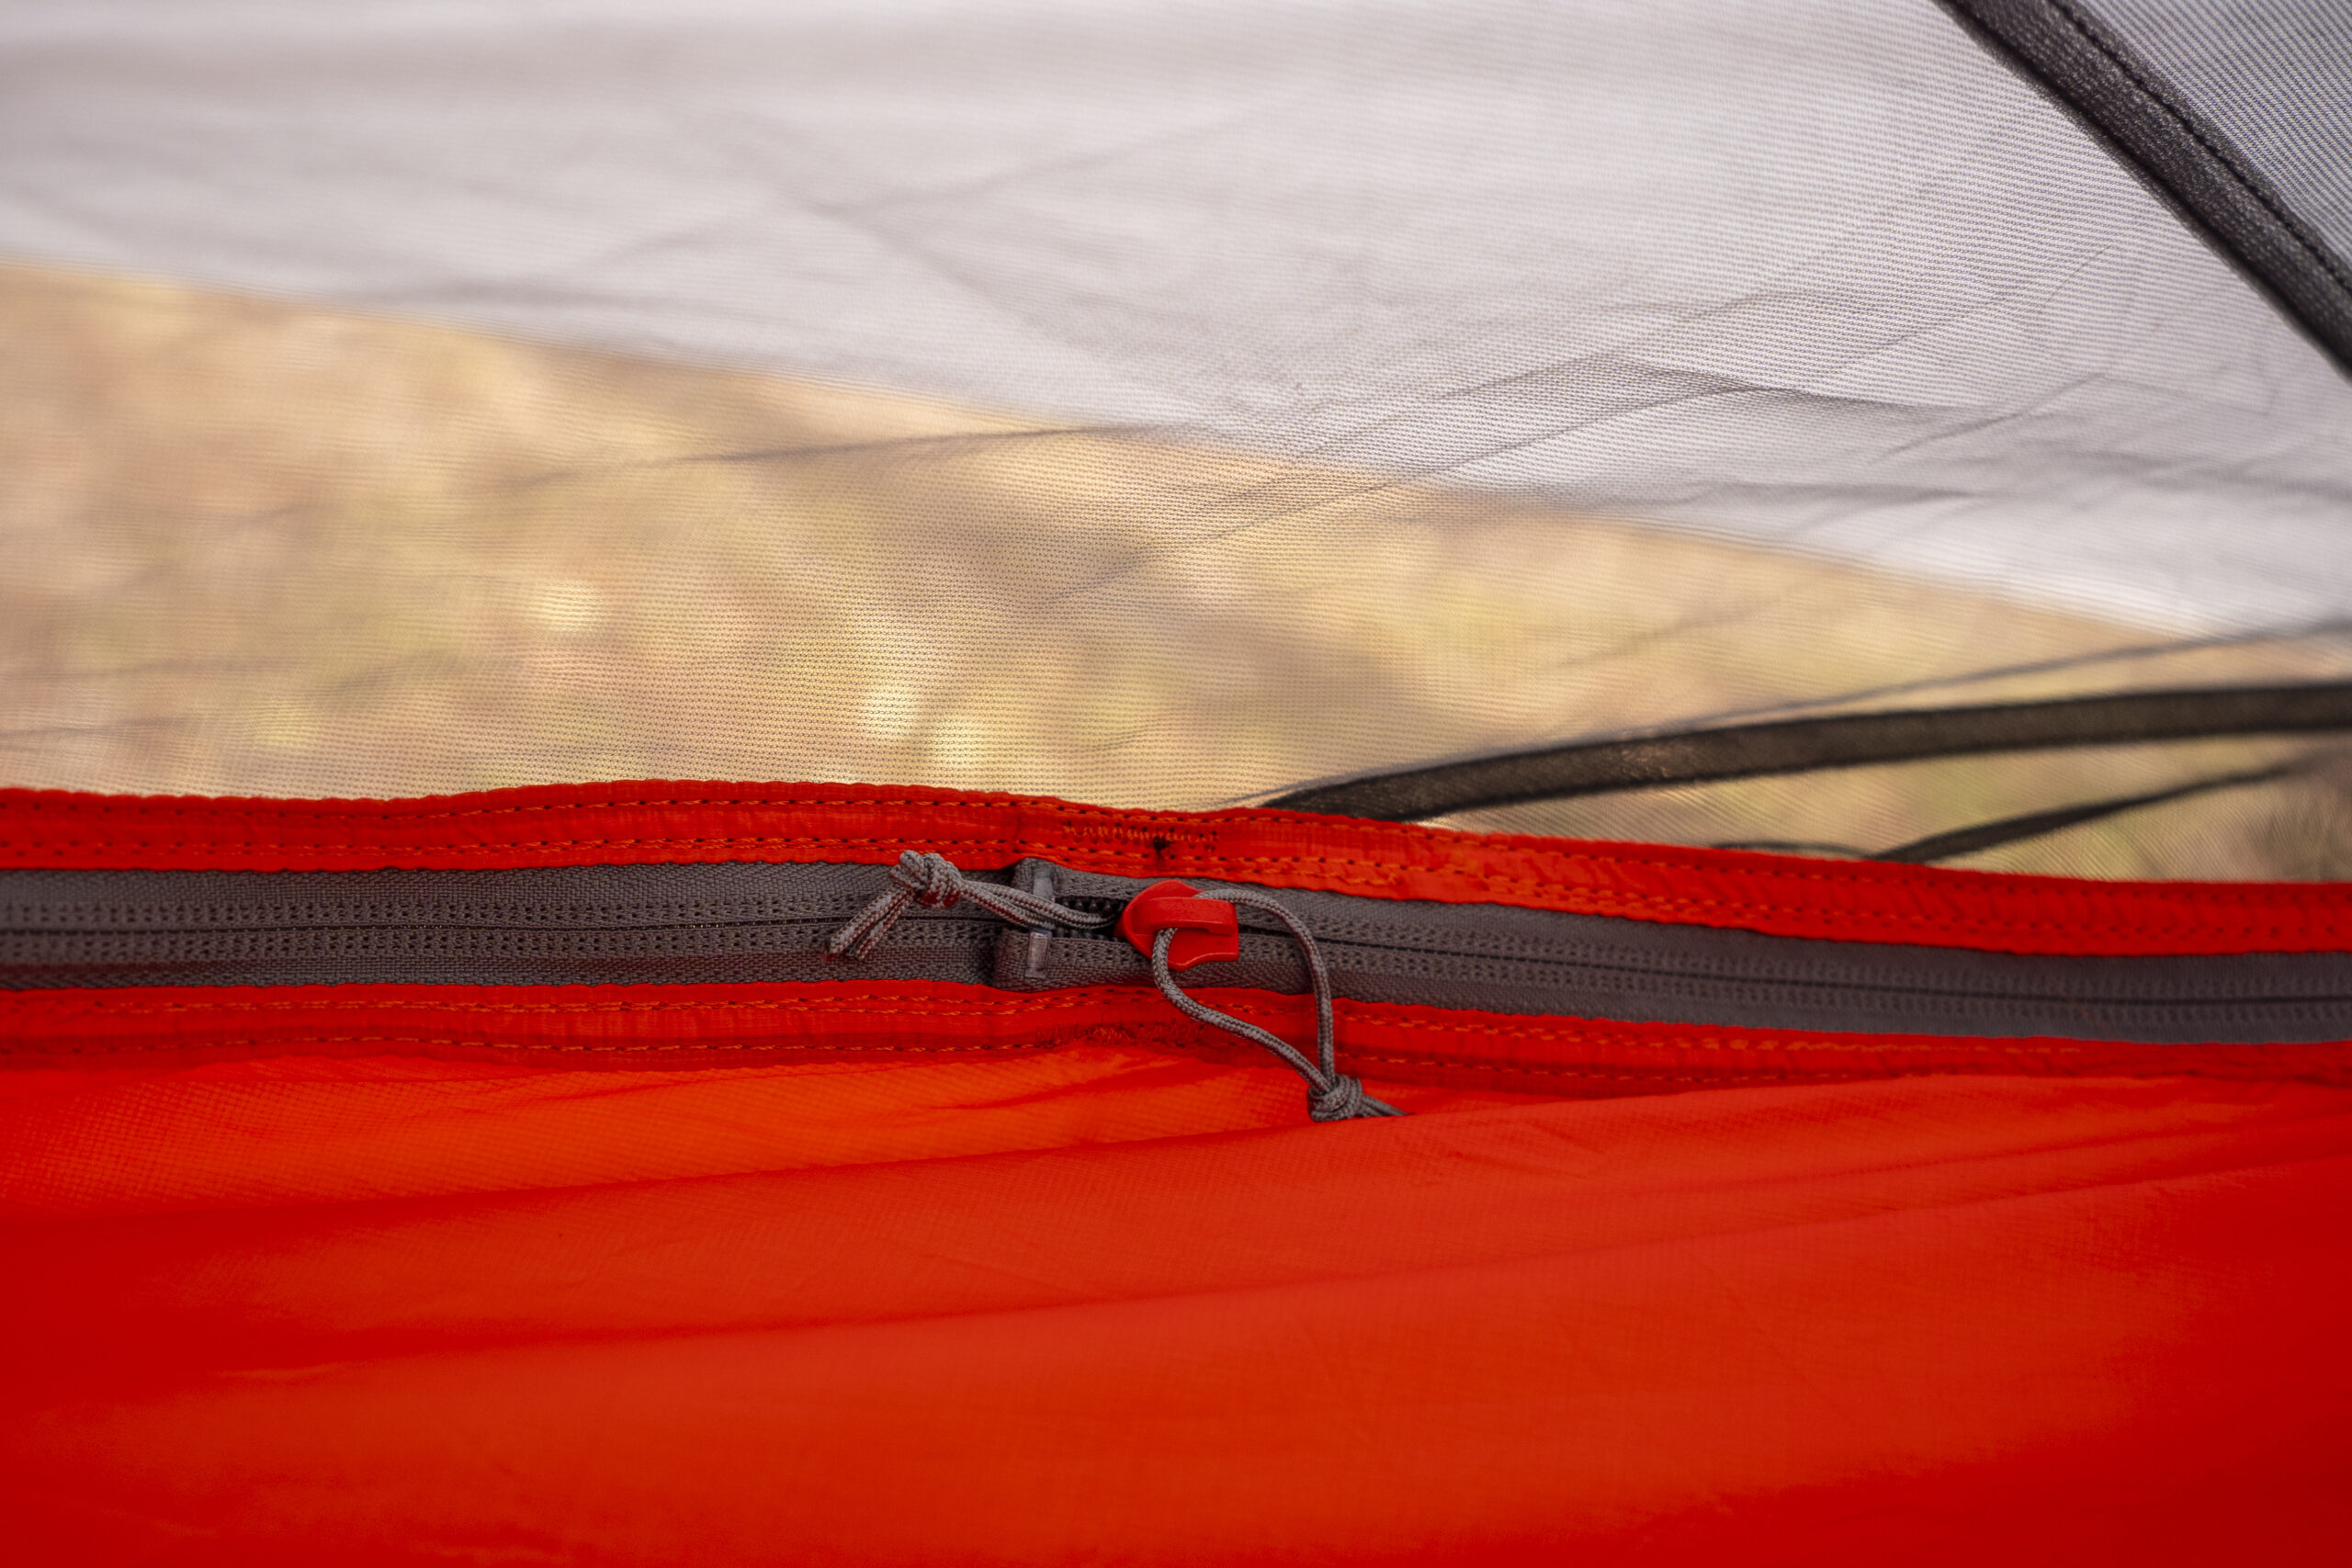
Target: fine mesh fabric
1154, 405
2272, 75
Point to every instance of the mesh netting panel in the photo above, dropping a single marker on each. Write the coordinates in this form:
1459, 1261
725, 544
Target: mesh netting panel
1159, 405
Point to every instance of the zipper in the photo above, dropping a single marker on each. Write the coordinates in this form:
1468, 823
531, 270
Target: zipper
758, 922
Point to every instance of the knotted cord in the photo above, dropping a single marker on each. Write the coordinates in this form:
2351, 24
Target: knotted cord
934, 881
1331, 1095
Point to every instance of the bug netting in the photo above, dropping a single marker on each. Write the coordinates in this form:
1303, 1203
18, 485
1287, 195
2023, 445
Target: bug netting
1164, 405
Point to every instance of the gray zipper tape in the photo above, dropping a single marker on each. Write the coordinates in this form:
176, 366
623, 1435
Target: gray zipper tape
732, 924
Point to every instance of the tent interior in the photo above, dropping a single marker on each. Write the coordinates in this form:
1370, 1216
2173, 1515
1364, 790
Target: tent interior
1180, 407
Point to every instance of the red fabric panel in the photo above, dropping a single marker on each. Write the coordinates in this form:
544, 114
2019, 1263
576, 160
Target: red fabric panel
936, 1273
725, 1025
805, 1314
616, 823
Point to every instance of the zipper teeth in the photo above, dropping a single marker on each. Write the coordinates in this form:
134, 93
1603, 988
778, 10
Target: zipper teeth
1417, 945
733, 923
1418, 948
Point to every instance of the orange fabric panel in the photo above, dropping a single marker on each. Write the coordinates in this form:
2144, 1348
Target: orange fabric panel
306, 1130
1101, 1305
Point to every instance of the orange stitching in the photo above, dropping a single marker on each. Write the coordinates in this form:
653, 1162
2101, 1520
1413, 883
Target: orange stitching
1390, 872
1063, 809
934, 1050
1552, 892
949, 1009
1975, 1043
1745, 1077
1591, 899
1636, 1076
440, 813
1055, 808
511, 1045
1709, 1042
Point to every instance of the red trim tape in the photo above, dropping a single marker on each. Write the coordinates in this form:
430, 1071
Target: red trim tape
625, 823
631, 1024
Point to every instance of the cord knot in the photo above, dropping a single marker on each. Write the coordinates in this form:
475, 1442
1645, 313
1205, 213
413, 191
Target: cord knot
931, 879
934, 881
1341, 1100
1331, 1095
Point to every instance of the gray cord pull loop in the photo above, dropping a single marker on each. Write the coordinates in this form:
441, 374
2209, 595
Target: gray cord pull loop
1331, 1095
921, 877
932, 881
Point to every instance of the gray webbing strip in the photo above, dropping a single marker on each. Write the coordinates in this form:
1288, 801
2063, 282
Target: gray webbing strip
1837, 740
738, 923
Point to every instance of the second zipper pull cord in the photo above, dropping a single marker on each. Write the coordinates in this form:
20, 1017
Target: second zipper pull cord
1174, 924
1331, 1095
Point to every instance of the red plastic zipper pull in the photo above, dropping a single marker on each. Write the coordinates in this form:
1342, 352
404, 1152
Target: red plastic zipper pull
1207, 930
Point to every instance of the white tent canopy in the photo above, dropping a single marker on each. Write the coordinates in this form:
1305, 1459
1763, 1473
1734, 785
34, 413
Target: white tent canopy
1850, 286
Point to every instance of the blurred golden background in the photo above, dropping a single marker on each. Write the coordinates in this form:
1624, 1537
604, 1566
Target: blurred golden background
253, 548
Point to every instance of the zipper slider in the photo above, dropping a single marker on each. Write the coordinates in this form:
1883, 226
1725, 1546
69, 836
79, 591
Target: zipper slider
1207, 930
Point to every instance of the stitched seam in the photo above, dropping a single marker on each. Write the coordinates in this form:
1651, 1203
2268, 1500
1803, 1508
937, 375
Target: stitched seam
439, 814
1384, 830
563, 1009
1636, 1076
1632, 1075
2152, 93
1511, 1070
325, 819
2244, 898
1763, 1042
276, 1042
1963, 1047
1744, 1076
1551, 892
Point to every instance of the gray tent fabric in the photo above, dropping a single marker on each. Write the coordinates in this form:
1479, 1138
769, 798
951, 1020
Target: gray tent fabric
1822, 274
